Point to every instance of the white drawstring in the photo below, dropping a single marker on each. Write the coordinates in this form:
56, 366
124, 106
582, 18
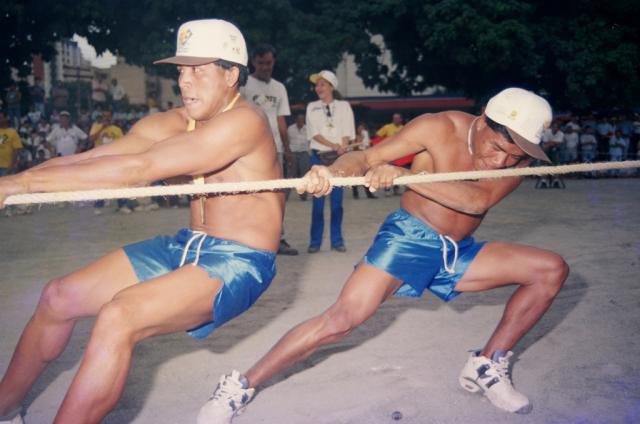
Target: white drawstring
196, 234
444, 239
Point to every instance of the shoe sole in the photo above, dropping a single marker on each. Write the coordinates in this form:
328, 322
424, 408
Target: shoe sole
472, 387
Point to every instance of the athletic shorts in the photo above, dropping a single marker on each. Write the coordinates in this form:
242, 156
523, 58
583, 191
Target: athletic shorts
245, 272
412, 252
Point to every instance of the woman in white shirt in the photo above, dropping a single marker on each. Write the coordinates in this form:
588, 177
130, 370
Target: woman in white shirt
330, 127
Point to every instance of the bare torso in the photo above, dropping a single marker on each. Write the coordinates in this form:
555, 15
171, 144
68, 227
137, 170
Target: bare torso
450, 154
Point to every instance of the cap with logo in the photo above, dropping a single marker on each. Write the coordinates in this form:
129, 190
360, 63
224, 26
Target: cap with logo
65, 113
329, 76
207, 40
525, 115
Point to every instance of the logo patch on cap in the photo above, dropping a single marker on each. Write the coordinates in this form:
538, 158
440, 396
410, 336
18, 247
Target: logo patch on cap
184, 36
513, 114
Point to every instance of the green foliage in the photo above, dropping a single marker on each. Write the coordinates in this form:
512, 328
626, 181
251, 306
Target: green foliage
582, 54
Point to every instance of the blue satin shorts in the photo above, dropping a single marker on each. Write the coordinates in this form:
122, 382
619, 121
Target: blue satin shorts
246, 272
412, 252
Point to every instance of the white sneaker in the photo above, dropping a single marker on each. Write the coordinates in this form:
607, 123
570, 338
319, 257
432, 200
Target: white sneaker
491, 377
153, 206
228, 400
14, 417
125, 210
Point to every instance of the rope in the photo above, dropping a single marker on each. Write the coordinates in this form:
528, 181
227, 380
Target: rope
270, 185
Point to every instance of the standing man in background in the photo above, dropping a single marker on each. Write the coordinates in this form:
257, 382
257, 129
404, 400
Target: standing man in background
299, 144
10, 144
66, 137
271, 96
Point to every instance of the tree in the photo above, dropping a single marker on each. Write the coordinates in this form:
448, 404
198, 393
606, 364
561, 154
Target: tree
581, 54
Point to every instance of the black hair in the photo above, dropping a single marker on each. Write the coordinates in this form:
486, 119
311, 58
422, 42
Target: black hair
244, 71
262, 49
499, 128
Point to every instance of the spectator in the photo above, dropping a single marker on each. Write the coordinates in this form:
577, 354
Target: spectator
34, 115
12, 98
37, 95
571, 141
271, 96
330, 127
588, 145
299, 145
59, 96
388, 130
552, 143
117, 94
391, 128
604, 131
10, 145
66, 137
618, 146
99, 90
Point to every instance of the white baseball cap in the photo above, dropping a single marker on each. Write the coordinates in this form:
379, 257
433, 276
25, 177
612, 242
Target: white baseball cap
329, 76
525, 115
207, 40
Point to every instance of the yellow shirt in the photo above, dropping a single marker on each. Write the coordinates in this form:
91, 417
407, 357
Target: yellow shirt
389, 130
9, 145
109, 134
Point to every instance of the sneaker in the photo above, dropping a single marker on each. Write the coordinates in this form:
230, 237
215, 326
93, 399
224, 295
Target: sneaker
228, 400
14, 417
139, 208
313, 249
97, 211
125, 210
491, 378
285, 249
340, 248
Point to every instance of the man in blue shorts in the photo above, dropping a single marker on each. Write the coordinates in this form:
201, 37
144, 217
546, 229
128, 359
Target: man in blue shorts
427, 244
196, 280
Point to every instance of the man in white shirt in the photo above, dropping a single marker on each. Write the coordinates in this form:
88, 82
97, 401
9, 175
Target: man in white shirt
571, 141
271, 96
66, 137
299, 144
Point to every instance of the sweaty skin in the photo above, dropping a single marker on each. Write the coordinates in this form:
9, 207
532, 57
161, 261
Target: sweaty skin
233, 145
455, 209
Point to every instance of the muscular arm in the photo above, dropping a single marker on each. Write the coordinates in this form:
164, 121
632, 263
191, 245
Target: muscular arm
206, 149
430, 133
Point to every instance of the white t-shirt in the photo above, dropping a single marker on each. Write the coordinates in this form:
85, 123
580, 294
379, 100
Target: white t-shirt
588, 142
571, 140
333, 121
272, 98
298, 141
65, 141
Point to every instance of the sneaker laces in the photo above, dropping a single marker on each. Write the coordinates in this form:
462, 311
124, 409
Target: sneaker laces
502, 368
227, 389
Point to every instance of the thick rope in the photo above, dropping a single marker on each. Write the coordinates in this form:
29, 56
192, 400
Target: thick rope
270, 185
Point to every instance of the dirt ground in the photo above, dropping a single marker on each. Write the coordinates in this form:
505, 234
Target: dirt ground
578, 365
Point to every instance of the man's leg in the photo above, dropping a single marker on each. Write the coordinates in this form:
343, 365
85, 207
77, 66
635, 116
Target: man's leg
177, 301
63, 300
539, 273
364, 291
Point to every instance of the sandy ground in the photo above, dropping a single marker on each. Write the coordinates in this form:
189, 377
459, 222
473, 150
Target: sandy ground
578, 365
